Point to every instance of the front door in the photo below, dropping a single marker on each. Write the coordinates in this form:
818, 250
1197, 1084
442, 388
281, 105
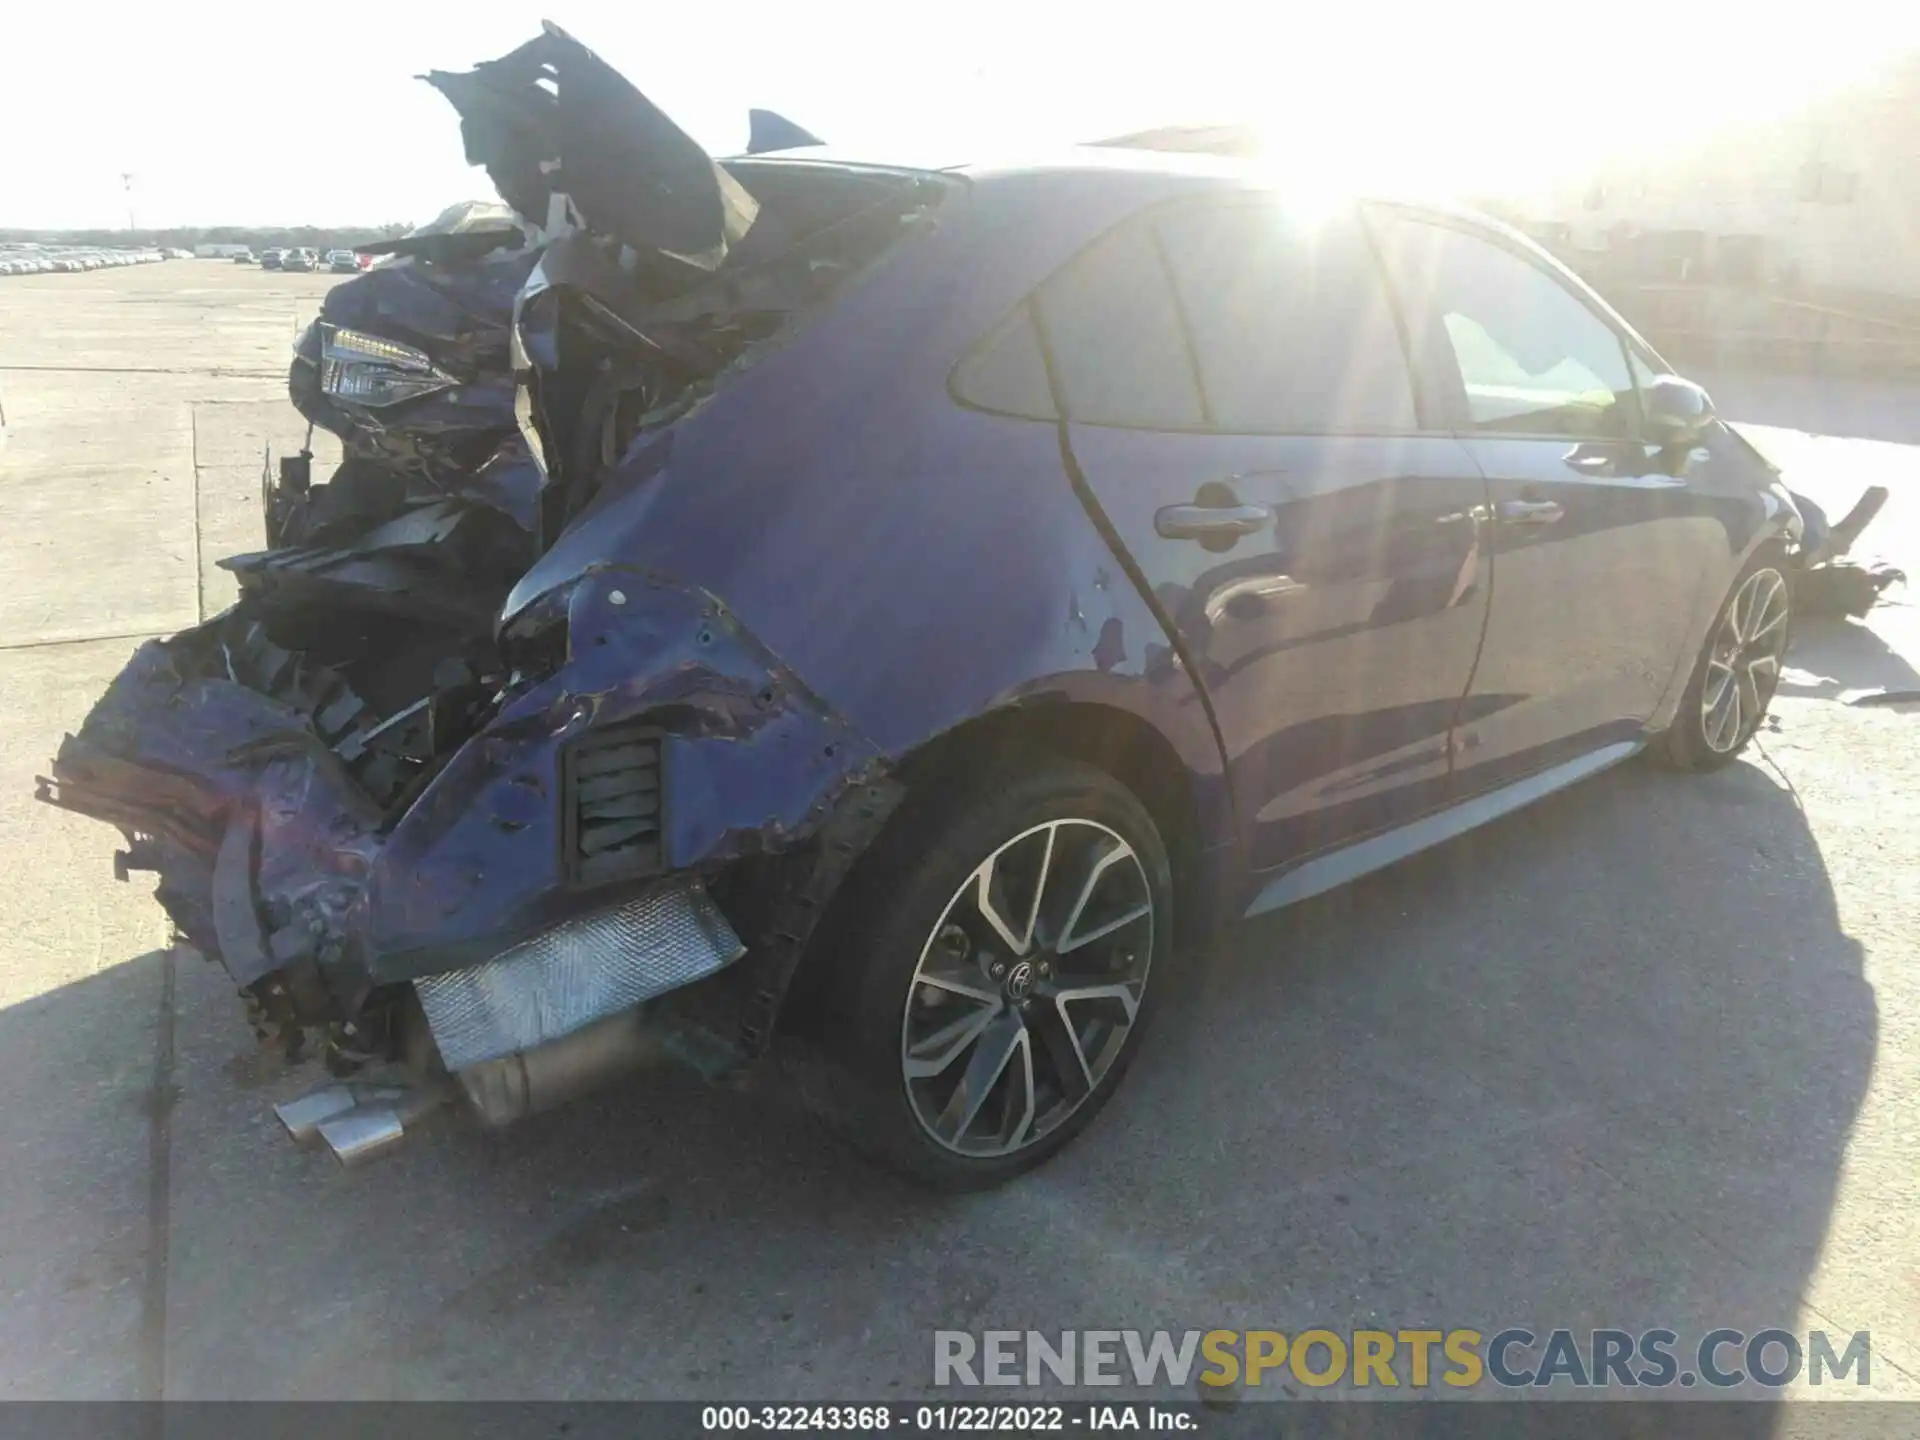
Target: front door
1600, 545
1241, 408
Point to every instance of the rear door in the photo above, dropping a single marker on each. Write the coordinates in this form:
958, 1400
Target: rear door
1600, 546
1240, 405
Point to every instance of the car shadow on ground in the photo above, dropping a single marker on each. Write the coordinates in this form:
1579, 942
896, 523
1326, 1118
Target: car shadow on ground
1831, 657
1593, 1066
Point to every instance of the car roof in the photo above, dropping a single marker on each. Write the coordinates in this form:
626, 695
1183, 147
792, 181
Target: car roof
1064, 159
1147, 173
1120, 163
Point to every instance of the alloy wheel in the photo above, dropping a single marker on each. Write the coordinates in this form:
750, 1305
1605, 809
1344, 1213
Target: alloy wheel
1743, 664
1027, 987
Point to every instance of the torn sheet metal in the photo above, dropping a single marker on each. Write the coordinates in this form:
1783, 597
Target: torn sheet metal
752, 762
349, 785
552, 119
259, 831
274, 855
439, 562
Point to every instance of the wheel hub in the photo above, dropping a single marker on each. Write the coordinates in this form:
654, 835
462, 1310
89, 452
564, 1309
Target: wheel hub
1743, 668
1027, 988
1020, 982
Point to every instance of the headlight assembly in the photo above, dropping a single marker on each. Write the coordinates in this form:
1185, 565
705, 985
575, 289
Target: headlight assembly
361, 369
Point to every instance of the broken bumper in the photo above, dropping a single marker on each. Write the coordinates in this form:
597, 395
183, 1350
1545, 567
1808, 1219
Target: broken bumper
569, 862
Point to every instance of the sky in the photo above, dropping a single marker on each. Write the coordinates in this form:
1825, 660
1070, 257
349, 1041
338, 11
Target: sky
309, 114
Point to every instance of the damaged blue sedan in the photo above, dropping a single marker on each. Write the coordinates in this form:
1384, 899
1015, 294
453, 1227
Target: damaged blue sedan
901, 609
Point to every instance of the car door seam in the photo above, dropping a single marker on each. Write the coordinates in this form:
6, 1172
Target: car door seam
1076, 477
1180, 319
1097, 515
1425, 411
1491, 551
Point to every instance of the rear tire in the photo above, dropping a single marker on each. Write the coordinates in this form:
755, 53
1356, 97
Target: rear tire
995, 962
1734, 679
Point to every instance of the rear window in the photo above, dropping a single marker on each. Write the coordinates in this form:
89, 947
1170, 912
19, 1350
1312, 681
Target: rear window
1005, 372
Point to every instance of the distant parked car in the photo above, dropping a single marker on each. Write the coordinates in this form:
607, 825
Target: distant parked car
303, 260
343, 262
271, 259
243, 257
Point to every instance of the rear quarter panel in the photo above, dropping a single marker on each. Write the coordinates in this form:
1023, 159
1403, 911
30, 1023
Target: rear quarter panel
914, 562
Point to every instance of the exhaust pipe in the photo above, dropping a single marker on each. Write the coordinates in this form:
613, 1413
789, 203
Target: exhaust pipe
304, 1117
359, 1122
359, 1135
517, 1085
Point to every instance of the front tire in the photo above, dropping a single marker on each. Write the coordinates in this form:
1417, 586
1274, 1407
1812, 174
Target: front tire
995, 963
1737, 673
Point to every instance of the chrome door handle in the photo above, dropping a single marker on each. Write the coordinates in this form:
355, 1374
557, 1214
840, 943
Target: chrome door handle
1210, 522
1529, 512
1589, 462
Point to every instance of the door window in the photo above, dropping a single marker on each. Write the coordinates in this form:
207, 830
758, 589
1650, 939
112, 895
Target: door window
1532, 357
1234, 317
1289, 320
1119, 357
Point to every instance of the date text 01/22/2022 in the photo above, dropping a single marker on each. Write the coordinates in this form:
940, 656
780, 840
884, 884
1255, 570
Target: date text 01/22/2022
955, 1419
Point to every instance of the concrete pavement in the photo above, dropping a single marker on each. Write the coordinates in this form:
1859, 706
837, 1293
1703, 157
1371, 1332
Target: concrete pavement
1647, 1054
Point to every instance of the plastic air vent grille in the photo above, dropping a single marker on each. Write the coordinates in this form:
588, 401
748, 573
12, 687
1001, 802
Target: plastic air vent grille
611, 797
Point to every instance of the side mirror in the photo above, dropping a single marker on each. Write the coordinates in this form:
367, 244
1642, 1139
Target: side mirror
1678, 411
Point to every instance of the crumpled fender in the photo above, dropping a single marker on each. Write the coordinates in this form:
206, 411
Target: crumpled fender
752, 762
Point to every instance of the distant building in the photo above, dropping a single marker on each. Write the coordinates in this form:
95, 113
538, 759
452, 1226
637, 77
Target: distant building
1826, 198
